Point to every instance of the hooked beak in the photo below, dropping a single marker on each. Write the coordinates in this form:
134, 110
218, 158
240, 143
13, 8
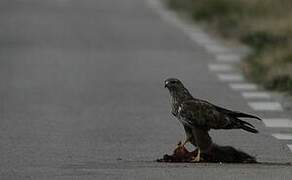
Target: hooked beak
166, 83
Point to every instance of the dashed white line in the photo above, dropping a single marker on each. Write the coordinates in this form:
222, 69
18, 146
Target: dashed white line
278, 123
220, 67
213, 48
227, 58
282, 136
230, 77
193, 32
202, 38
265, 106
256, 95
290, 146
223, 56
171, 17
243, 86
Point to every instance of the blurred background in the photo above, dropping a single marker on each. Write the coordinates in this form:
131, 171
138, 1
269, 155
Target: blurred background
263, 25
82, 86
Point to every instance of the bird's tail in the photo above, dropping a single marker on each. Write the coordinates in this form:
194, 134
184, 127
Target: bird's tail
236, 114
247, 126
244, 115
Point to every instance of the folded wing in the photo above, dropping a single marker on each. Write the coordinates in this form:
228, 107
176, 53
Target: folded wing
198, 113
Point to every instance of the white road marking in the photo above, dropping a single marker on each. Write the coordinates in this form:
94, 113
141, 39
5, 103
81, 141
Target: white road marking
282, 136
220, 67
243, 86
278, 123
227, 58
213, 48
168, 16
195, 33
204, 41
230, 77
255, 95
222, 56
290, 146
201, 38
266, 106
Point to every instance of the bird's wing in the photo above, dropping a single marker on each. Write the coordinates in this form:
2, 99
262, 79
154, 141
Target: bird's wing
236, 114
201, 114
205, 115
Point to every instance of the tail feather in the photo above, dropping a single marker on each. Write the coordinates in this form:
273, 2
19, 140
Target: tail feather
243, 115
247, 126
246, 123
236, 114
249, 129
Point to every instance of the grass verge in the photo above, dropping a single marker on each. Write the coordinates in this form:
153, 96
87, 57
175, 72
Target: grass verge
263, 25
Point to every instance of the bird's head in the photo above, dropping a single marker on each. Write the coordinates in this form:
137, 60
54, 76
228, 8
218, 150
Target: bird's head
173, 84
177, 89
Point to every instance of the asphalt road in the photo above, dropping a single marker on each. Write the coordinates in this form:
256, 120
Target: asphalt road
82, 97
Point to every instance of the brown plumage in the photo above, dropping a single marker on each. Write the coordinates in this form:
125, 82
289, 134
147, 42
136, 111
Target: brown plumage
199, 116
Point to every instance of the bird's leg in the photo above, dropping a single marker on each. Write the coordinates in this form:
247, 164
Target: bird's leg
179, 144
186, 141
198, 157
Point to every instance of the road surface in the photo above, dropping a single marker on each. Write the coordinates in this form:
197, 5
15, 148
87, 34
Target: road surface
82, 95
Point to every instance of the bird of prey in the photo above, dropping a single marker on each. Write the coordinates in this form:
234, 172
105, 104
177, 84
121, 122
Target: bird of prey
199, 116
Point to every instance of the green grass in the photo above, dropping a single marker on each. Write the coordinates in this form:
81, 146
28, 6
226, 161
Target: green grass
263, 25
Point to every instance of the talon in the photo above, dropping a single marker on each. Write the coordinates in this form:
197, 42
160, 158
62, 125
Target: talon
185, 142
179, 144
197, 158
